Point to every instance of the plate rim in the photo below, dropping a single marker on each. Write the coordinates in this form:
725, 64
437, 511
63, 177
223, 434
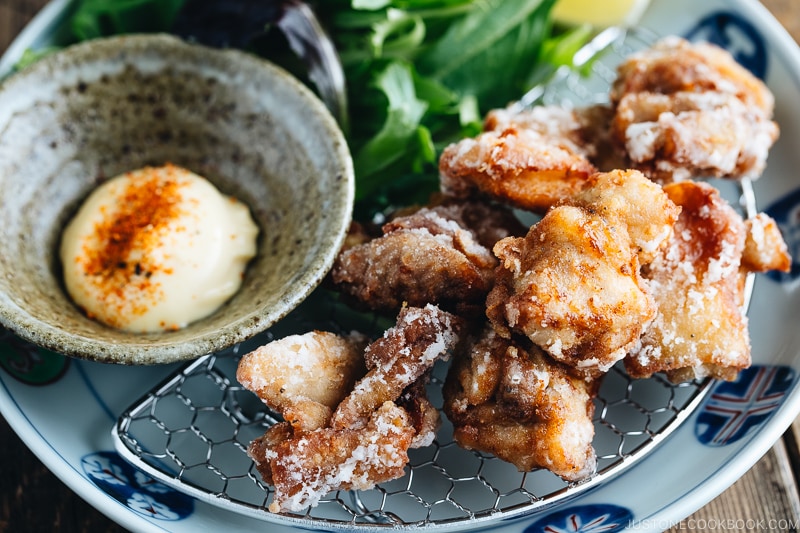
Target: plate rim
728, 471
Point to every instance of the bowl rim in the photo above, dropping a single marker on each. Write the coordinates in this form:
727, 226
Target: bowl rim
18, 320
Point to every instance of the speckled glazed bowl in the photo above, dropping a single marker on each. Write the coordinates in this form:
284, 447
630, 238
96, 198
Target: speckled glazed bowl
104, 107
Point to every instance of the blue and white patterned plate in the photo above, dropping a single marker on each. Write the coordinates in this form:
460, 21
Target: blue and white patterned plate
64, 409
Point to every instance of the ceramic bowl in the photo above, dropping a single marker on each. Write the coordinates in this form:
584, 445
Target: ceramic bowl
104, 107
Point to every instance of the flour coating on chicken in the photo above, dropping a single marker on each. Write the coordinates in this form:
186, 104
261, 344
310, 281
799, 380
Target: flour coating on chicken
404, 354
305, 466
421, 258
686, 110
698, 284
522, 407
530, 160
339, 433
304, 377
572, 285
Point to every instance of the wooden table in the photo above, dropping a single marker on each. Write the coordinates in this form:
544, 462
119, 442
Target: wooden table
32, 499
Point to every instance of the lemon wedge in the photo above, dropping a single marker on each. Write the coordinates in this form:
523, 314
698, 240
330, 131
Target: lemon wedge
599, 14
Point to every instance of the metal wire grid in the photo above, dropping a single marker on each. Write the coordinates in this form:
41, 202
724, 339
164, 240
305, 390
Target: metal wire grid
191, 432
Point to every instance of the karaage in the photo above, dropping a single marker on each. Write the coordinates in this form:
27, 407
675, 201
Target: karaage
375, 421
304, 466
403, 355
425, 257
572, 285
522, 407
697, 281
304, 377
685, 110
531, 160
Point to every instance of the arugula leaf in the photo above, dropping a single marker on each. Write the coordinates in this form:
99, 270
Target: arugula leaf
489, 52
404, 113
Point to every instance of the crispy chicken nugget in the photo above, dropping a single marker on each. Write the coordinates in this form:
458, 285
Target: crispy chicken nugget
684, 110
700, 328
686, 135
675, 65
572, 284
304, 377
628, 198
522, 407
764, 247
304, 466
531, 161
366, 440
488, 221
422, 258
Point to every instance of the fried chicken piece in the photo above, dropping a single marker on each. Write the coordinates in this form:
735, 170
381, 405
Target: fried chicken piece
489, 222
686, 135
522, 407
366, 441
304, 377
261, 449
684, 110
404, 354
572, 284
675, 65
626, 197
562, 126
697, 280
421, 258
303, 466
531, 160
424, 416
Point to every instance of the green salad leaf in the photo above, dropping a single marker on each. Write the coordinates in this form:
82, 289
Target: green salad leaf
422, 73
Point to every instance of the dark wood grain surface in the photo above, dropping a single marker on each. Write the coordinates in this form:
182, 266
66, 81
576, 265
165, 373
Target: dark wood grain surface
32, 499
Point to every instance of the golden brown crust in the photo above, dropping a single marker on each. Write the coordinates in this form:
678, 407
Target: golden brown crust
700, 328
488, 221
516, 166
522, 407
675, 65
572, 284
684, 111
303, 466
304, 377
402, 356
764, 247
628, 199
421, 258
378, 419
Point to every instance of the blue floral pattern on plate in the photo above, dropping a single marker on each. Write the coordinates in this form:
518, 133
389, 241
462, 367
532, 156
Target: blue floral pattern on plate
737, 35
735, 408
137, 491
595, 518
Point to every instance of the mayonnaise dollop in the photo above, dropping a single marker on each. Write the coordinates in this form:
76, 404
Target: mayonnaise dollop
155, 249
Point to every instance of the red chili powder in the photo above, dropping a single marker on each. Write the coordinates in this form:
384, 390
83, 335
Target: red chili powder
144, 211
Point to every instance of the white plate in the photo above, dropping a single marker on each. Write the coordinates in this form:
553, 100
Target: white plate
64, 409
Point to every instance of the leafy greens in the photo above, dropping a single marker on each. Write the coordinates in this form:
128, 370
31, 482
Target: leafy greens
422, 73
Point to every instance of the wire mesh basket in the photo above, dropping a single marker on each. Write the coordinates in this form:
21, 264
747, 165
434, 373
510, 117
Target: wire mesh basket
191, 432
